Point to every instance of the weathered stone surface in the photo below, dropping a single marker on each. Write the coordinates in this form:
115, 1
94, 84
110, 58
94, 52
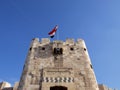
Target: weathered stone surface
15, 87
58, 63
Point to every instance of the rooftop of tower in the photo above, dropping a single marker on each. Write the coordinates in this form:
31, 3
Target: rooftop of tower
47, 40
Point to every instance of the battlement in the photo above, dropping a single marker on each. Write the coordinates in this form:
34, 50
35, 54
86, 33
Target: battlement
44, 48
44, 44
68, 42
43, 40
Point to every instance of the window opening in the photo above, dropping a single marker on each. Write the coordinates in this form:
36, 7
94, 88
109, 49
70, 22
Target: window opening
91, 66
58, 88
71, 48
30, 48
43, 48
84, 49
58, 51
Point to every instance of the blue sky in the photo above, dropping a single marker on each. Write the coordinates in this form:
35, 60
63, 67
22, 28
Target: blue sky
95, 21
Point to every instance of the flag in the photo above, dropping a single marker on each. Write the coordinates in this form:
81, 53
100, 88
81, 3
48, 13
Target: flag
52, 33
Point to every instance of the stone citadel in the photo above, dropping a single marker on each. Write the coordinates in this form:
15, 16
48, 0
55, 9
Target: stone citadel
57, 65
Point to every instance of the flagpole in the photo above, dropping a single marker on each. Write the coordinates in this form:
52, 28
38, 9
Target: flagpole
57, 34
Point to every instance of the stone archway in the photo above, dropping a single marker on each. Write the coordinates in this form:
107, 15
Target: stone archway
58, 88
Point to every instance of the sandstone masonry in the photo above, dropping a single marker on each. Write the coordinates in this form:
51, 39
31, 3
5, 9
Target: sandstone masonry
57, 65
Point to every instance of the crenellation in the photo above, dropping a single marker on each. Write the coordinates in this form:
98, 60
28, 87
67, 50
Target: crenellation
34, 42
45, 41
70, 41
58, 41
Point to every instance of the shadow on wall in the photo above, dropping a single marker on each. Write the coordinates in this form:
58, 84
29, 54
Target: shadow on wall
44, 51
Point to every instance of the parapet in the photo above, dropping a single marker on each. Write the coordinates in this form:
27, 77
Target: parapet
45, 40
69, 42
35, 39
80, 40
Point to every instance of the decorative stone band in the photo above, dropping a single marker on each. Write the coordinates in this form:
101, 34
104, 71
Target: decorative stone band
58, 79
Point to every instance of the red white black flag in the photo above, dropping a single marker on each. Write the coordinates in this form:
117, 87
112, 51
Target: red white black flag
52, 33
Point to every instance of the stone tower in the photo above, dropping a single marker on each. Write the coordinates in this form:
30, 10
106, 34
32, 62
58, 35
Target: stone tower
58, 65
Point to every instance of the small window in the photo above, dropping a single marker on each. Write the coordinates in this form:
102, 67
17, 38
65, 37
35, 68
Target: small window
91, 66
58, 51
71, 48
84, 49
43, 48
30, 48
47, 80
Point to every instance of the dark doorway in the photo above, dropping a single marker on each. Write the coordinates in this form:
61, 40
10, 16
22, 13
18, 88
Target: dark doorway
58, 88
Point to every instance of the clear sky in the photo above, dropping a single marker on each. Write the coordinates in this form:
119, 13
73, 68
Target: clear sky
95, 21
